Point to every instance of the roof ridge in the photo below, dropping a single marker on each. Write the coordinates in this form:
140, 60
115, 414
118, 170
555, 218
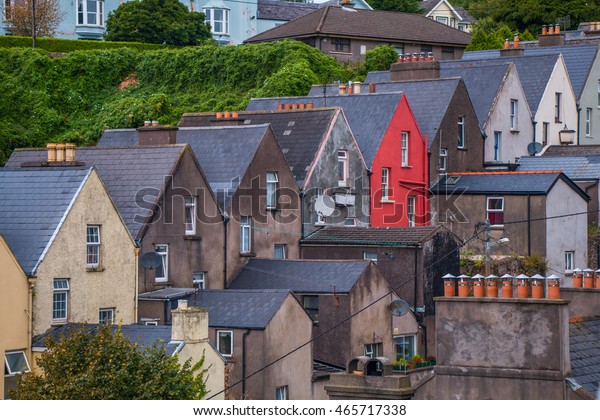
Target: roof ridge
506, 173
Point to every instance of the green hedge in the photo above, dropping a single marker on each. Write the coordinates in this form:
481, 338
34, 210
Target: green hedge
69, 45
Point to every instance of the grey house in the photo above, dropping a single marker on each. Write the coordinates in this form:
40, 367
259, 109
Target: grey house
312, 141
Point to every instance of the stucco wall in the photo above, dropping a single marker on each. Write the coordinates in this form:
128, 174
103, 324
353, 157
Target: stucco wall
583, 302
589, 99
112, 286
14, 307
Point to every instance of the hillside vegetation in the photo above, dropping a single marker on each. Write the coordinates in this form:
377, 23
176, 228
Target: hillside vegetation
74, 97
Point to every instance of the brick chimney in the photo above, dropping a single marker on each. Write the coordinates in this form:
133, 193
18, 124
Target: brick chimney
415, 70
155, 135
552, 38
189, 324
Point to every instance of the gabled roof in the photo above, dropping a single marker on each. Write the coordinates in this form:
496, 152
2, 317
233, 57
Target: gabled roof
461, 13
368, 115
578, 60
119, 137
284, 10
586, 150
366, 24
224, 153
578, 168
125, 172
240, 308
534, 73
484, 84
372, 236
299, 132
584, 345
300, 276
505, 183
34, 202
377, 77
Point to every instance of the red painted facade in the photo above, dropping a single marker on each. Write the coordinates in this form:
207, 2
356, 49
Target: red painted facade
407, 180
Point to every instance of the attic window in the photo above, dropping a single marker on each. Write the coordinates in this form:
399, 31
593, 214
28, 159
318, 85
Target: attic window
452, 180
291, 123
287, 132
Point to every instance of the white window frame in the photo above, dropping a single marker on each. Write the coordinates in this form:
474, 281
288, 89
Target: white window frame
282, 248
199, 278
442, 20
164, 254
497, 145
190, 213
93, 246
82, 18
370, 256
385, 183
372, 349
489, 210
461, 132
411, 202
588, 122
210, 18
342, 168
320, 218
225, 333
60, 287
245, 234
404, 146
443, 162
281, 393
350, 221
9, 371
406, 341
557, 106
514, 106
272, 187
569, 261
110, 318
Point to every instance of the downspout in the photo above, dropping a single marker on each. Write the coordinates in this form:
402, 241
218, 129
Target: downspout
31, 283
528, 225
225, 222
415, 276
419, 316
369, 173
244, 363
302, 213
578, 121
136, 251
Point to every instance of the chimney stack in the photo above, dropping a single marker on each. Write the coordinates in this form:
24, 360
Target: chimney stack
552, 37
190, 324
156, 135
415, 69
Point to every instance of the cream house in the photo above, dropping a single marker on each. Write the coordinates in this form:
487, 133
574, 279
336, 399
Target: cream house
443, 12
67, 235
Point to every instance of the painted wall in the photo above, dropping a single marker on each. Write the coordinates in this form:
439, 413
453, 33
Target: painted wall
111, 286
15, 313
514, 141
404, 181
453, 20
589, 99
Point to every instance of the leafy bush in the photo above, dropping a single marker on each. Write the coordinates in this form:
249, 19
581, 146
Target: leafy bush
69, 45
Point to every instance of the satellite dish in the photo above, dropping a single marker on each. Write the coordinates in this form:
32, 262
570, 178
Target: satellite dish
151, 260
398, 307
324, 205
534, 148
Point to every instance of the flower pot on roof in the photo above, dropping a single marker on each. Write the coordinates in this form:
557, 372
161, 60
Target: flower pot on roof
537, 286
553, 287
463, 285
577, 278
507, 286
522, 286
492, 286
478, 290
588, 278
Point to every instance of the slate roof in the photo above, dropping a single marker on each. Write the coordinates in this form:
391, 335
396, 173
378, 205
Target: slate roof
167, 293
224, 153
578, 60
428, 99
507, 183
125, 172
299, 132
300, 276
584, 344
377, 76
368, 115
374, 236
284, 10
587, 150
534, 73
33, 203
119, 137
367, 24
578, 168
240, 308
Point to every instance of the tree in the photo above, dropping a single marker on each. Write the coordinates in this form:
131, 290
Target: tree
408, 6
157, 22
103, 364
380, 58
47, 17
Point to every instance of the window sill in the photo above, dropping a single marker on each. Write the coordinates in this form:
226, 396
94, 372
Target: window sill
343, 184
340, 52
161, 281
462, 148
406, 166
247, 254
514, 131
188, 237
320, 224
386, 201
497, 227
59, 321
94, 269
557, 121
272, 209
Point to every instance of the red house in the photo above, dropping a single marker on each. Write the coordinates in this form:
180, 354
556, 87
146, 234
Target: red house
393, 148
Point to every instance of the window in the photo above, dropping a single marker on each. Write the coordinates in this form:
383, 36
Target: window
190, 215
162, 272
363, 49
320, 217
281, 393
447, 53
225, 342
311, 306
545, 127
497, 144
513, 114
350, 221
60, 300
93, 246
462, 27
272, 190
443, 163
199, 278
15, 362
373, 350
461, 132
342, 168
404, 148
495, 210
399, 48
588, 122
106, 316
370, 255
569, 260
405, 346
280, 251
218, 19
7, 10
442, 19
426, 48
90, 12
340, 45
245, 234
385, 178
557, 106
410, 211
